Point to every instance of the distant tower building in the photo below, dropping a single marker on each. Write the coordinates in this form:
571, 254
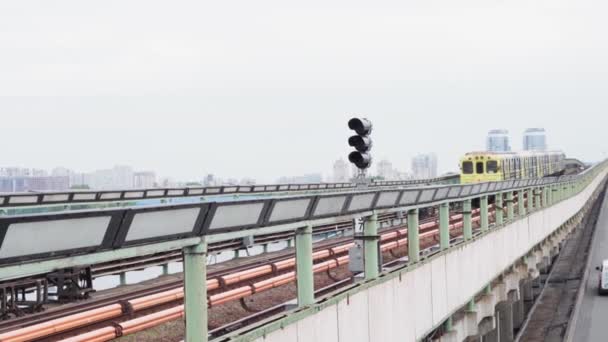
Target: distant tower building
144, 179
385, 170
424, 166
122, 177
535, 140
340, 171
498, 141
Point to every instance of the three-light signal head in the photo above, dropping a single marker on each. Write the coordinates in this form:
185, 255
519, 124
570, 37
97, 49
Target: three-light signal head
362, 142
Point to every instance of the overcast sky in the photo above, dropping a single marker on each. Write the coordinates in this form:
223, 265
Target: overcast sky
264, 88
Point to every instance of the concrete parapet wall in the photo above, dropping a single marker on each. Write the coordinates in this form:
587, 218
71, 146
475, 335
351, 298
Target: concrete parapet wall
408, 304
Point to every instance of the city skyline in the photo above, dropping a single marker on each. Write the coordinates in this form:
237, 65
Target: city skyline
104, 94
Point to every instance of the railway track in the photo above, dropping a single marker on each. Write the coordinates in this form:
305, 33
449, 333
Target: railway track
224, 286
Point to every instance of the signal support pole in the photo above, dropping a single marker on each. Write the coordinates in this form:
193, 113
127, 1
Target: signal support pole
370, 234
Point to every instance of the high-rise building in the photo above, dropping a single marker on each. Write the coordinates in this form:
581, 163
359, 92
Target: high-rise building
535, 139
122, 177
340, 171
102, 179
144, 179
424, 166
210, 180
33, 183
39, 173
386, 171
310, 178
498, 141
14, 172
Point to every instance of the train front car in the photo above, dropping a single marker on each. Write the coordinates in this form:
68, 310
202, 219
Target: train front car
476, 167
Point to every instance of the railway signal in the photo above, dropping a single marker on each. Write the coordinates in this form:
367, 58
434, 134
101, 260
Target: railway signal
362, 142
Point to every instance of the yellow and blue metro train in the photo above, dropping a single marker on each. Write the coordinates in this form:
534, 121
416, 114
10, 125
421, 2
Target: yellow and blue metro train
478, 167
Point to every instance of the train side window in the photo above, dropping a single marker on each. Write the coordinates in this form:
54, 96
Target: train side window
467, 167
479, 167
492, 166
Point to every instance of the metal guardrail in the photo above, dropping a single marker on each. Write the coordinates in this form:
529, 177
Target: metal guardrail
29, 237
85, 196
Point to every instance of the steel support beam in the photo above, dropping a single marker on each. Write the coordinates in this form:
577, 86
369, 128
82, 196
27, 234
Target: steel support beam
554, 194
48, 266
304, 273
521, 208
444, 226
195, 290
467, 225
413, 236
499, 209
483, 207
510, 206
370, 232
537, 199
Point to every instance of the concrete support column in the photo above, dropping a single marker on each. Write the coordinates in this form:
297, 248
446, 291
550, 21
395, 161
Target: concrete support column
499, 209
528, 292
467, 227
413, 240
518, 312
510, 206
449, 324
505, 321
370, 232
123, 278
166, 269
483, 207
289, 243
530, 200
521, 208
304, 274
195, 290
493, 335
444, 226
265, 248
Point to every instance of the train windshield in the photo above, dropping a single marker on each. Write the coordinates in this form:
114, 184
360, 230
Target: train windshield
492, 166
467, 167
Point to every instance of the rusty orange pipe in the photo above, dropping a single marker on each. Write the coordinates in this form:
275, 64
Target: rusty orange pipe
115, 310
62, 324
99, 335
